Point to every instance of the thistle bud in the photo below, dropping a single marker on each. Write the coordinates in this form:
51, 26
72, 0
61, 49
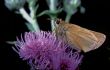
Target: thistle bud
70, 6
14, 4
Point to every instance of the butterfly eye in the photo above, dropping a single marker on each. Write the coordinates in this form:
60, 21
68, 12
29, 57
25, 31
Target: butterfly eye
58, 21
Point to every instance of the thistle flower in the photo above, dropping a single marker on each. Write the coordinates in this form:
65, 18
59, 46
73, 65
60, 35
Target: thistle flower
45, 52
14, 4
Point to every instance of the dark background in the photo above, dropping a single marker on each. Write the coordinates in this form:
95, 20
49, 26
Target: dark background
96, 17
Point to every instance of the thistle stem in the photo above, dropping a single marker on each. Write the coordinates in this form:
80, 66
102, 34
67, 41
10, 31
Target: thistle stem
52, 24
25, 15
52, 5
68, 17
31, 20
33, 16
52, 8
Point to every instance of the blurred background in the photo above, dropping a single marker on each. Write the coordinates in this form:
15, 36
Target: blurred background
96, 17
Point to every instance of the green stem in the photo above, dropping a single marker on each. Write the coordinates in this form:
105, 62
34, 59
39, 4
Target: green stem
31, 20
25, 15
35, 25
33, 16
53, 25
52, 8
68, 17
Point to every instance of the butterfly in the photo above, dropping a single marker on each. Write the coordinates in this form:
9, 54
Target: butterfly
78, 37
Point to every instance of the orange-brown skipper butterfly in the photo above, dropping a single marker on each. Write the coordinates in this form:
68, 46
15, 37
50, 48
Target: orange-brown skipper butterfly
79, 37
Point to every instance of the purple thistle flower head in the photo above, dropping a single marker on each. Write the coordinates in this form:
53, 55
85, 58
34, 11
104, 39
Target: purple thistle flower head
45, 52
